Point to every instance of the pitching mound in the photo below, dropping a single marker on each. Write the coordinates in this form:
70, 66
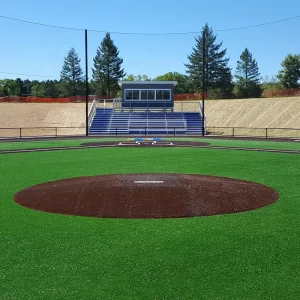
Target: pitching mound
146, 196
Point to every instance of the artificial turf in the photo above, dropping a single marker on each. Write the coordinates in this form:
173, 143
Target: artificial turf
250, 255
52, 143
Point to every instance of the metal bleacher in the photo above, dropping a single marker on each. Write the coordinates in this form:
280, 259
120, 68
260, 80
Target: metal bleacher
108, 121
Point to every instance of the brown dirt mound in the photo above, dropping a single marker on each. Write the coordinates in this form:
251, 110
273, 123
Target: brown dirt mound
146, 196
147, 143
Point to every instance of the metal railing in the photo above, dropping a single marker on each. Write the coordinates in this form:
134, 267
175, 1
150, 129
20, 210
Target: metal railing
35, 132
32, 132
179, 106
254, 132
152, 130
105, 103
92, 112
137, 107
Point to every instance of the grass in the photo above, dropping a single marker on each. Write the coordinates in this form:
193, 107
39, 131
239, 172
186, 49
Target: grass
292, 145
250, 255
262, 144
20, 144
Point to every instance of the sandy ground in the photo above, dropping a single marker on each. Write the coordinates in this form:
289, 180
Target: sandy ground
259, 113
42, 114
29, 115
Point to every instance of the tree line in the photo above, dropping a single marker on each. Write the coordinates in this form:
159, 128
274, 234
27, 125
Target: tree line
107, 70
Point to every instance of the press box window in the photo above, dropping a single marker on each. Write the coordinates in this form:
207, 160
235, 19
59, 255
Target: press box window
151, 94
128, 95
166, 95
148, 95
159, 95
144, 95
135, 95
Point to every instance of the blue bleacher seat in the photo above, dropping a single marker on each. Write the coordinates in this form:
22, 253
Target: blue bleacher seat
107, 121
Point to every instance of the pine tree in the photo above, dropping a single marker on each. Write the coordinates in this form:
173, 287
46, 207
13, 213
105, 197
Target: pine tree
247, 75
107, 67
71, 74
218, 74
247, 67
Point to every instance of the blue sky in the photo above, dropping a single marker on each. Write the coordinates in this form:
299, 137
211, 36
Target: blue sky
36, 50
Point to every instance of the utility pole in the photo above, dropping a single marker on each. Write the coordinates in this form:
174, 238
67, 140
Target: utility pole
86, 86
203, 79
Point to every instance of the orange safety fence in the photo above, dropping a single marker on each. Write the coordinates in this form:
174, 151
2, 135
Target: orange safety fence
189, 96
267, 93
73, 99
177, 97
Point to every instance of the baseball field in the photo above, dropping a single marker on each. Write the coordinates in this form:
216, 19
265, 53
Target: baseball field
253, 254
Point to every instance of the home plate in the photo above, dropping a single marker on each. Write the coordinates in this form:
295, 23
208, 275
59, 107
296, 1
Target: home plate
148, 181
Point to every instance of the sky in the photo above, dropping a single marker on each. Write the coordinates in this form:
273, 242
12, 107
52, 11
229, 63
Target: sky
38, 50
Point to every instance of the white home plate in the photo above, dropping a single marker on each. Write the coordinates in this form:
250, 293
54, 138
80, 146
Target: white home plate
148, 181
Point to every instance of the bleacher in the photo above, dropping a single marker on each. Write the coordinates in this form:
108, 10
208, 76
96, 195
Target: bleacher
193, 123
108, 121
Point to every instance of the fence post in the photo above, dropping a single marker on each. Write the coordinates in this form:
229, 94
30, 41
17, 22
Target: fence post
56, 131
232, 131
20, 133
266, 133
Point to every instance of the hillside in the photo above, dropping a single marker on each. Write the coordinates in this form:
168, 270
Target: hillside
26, 115
259, 113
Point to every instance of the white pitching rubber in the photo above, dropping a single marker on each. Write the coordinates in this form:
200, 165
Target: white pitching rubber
148, 181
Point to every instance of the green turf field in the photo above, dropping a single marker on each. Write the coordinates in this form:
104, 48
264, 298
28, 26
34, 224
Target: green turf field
23, 144
250, 255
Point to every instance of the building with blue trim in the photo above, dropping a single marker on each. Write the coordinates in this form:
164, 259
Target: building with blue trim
148, 95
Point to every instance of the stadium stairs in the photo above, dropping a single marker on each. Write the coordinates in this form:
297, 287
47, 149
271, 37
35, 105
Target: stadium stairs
109, 122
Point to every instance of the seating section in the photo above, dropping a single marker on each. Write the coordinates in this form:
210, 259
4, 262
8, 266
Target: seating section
107, 121
193, 123
101, 121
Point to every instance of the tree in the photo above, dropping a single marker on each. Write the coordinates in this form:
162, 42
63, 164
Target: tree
290, 74
71, 74
27, 86
130, 77
21, 89
247, 67
37, 90
51, 88
47, 88
139, 77
9, 87
218, 77
183, 84
96, 88
247, 75
247, 88
269, 85
107, 67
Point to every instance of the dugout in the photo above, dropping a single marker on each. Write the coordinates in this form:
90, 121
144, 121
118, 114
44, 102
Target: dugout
148, 95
